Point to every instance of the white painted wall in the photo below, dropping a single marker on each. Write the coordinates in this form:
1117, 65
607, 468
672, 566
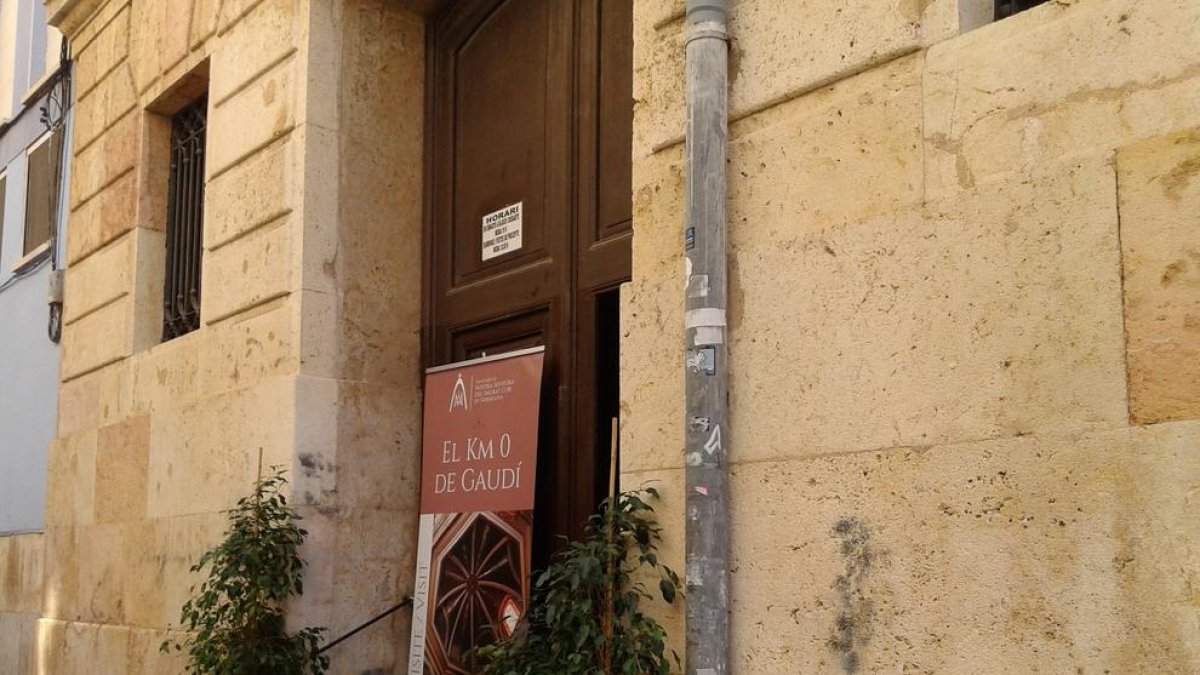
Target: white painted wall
29, 361
28, 403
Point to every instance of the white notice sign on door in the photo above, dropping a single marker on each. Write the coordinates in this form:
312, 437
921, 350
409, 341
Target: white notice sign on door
502, 231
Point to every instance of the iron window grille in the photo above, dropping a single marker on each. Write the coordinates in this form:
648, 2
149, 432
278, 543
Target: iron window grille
1006, 8
185, 221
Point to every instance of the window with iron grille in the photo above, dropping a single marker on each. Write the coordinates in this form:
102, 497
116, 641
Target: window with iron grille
1006, 8
185, 220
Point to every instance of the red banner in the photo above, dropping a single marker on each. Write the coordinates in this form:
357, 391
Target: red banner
478, 464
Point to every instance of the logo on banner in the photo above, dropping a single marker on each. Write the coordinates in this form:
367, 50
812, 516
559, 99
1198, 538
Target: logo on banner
458, 399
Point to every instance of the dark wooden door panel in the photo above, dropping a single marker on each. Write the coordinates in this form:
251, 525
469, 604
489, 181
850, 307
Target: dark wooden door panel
615, 95
605, 141
500, 119
500, 126
530, 102
516, 331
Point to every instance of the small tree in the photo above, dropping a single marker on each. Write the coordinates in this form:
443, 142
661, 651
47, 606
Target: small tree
585, 616
235, 618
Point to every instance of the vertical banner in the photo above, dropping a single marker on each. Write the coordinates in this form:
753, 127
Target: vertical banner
478, 463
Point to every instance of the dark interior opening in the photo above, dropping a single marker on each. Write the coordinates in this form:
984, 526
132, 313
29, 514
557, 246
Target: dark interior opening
1006, 8
608, 386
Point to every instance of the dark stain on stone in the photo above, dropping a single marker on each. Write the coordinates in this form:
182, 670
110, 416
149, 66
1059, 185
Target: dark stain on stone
311, 463
1174, 271
852, 628
1178, 178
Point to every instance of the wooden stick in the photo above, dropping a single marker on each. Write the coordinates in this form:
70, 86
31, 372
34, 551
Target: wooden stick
606, 655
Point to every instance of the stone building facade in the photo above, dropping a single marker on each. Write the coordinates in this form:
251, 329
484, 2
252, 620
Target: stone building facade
965, 291
33, 126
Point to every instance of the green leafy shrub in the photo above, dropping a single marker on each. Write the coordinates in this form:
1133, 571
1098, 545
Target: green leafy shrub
585, 617
235, 617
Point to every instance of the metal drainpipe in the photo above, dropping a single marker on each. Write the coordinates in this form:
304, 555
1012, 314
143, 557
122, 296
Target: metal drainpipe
706, 371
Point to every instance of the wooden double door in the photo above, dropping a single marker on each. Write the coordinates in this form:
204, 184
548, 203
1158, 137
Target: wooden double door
529, 126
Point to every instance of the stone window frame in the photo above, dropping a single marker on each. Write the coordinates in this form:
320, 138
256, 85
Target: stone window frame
154, 167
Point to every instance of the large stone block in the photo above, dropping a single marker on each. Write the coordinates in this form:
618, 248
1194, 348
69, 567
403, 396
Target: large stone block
318, 336
248, 349
356, 445
173, 38
149, 264
98, 339
99, 280
62, 574
167, 375
96, 58
1037, 554
72, 480
83, 29
122, 456
369, 247
179, 543
160, 38
22, 558
993, 105
204, 21
652, 361
1160, 196
145, 657
360, 564
374, 571
18, 643
658, 213
101, 219
114, 154
379, 445
89, 648
766, 64
322, 175
252, 119
51, 647
357, 336
92, 400
847, 152
658, 84
233, 11
248, 271
262, 189
996, 313
205, 455
263, 38
110, 100
110, 573
117, 573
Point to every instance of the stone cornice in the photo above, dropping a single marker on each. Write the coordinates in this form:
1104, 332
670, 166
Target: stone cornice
68, 15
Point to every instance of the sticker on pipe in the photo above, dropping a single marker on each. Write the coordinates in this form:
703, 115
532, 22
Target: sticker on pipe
502, 231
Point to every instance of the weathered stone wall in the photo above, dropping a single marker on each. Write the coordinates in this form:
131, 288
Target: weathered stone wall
964, 405
963, 320
359, 391
308, 352
21, 568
